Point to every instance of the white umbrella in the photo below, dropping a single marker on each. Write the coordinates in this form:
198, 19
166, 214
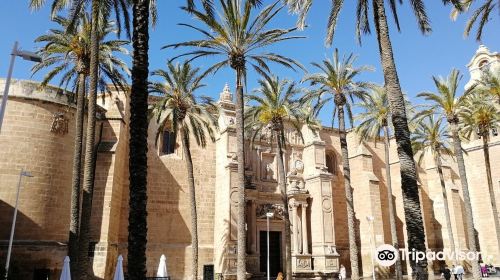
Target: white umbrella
65, 274
162, 267
119, 269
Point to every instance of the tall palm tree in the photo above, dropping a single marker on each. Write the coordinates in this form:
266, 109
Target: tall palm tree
187, 117
480, 115
411, 200
447, 104
67, 54
237, 36
336, 82
373, 121
275, 104
100, 12
480, 16
431, 137
143, 12
138, 161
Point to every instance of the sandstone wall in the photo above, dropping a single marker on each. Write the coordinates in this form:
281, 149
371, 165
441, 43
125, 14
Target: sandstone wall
169, 221
26, 142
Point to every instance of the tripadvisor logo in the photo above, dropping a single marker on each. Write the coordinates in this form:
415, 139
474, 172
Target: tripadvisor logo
387, 255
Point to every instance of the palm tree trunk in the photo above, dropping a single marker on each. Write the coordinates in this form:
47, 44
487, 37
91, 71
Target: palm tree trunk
74, 224
192, 200
90, 152
392, 215
471, 237
353, 247
486, 152
240, 126
138, 160
411, 200
439, 166
282, 183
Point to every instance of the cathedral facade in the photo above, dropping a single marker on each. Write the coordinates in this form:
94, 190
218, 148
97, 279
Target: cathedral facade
38, 135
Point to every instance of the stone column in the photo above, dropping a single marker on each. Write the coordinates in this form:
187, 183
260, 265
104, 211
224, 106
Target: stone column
295, 229
305, 249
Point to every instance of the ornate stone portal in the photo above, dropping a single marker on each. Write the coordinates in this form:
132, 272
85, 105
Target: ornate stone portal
310, 206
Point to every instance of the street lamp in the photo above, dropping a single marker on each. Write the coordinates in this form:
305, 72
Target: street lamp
268, 216
9, 251
370, 224
31, 56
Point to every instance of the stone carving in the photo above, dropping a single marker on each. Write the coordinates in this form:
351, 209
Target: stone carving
295, 176
59, 124
292, 136
231, 265
327, 204
299, 166
234, 158
303, 263
296, 163
331, 264
266, 134
296, 185
332, 250
231, 249
267, 167
262, 209
269, 172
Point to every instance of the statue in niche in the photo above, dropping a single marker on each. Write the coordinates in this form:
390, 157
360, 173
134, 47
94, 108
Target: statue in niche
299, 166
269, 172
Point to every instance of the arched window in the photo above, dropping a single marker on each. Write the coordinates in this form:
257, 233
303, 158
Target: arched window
484, 65
331, 162
167, 142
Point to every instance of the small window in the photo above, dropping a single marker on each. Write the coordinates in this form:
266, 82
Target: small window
484, 65
168, 143
331, 162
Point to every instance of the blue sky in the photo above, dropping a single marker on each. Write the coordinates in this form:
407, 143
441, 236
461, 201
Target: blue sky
417, 57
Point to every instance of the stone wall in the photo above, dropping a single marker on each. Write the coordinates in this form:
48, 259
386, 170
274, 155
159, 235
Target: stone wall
26, 142
169, 222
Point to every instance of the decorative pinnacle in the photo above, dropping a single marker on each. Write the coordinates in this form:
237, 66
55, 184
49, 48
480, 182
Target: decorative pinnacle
226, 94
482, 48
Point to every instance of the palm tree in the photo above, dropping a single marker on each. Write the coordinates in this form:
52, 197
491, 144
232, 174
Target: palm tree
233, 35
481, 15
276, 105
336, 82
490, 82
138, 160
100, 12
447, 104
186, 116
431, 137
67, 54
411, 200
373, 121
480, 115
